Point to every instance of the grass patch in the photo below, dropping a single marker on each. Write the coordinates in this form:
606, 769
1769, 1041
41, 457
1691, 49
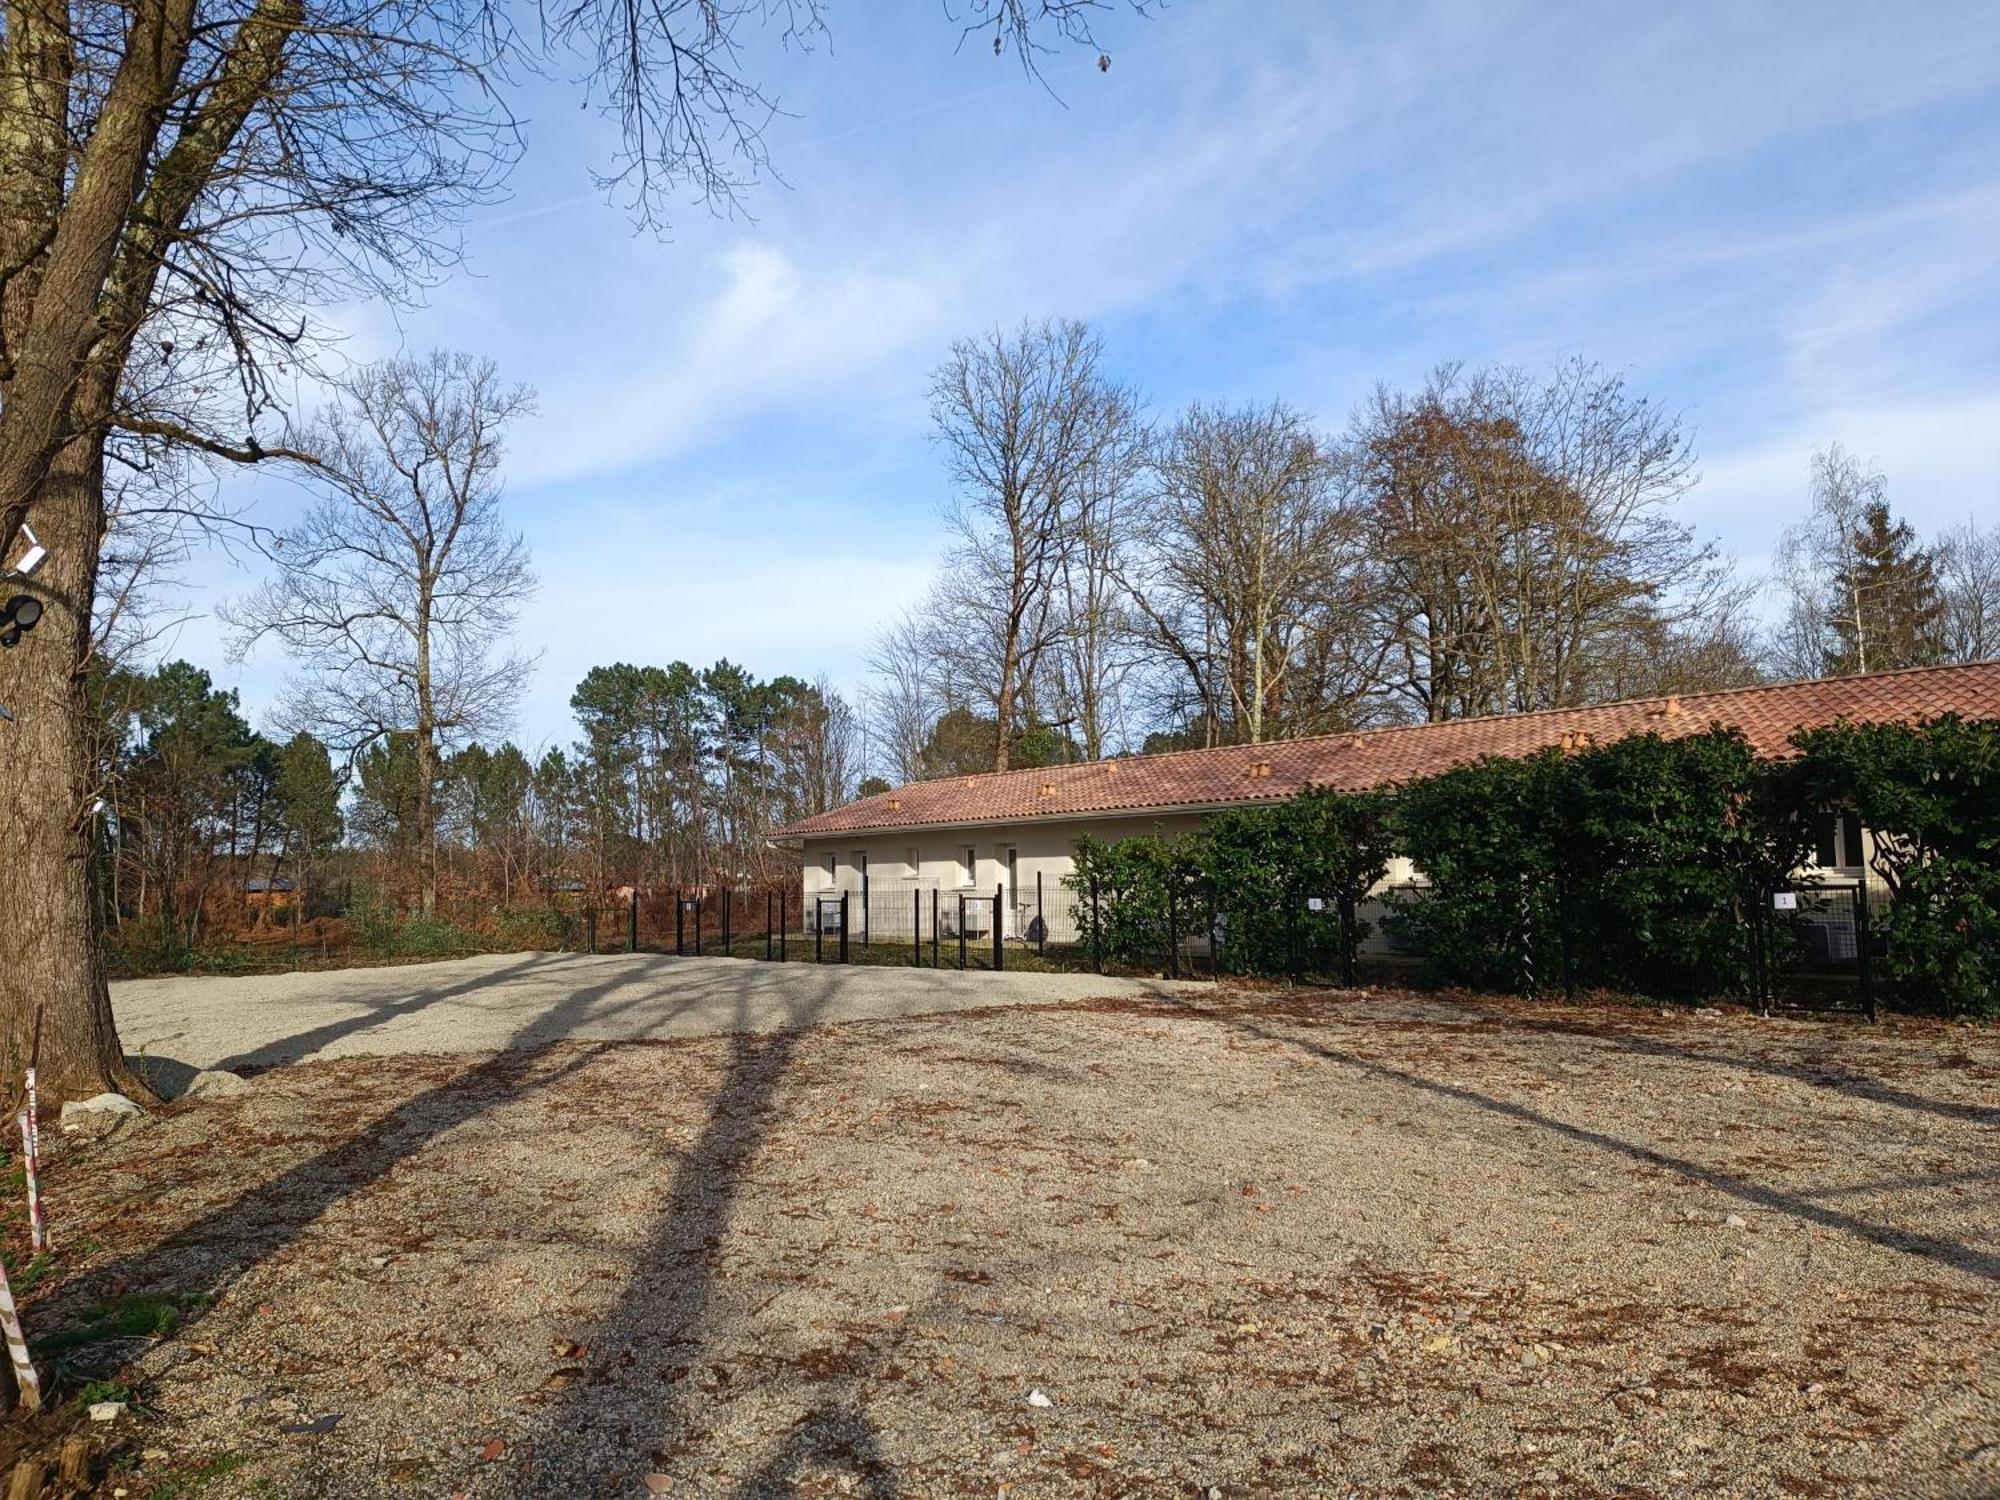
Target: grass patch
24, 1279
138, 1315
189, 1481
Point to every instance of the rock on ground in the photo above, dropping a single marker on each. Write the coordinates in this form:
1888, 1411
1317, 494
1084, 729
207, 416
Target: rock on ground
216, 1083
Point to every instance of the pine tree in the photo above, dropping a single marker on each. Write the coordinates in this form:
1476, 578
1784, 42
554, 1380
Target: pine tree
1891, 608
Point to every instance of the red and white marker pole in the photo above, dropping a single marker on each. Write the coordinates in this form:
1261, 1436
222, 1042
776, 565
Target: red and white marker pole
31, 1142
17, 1349
38, 1231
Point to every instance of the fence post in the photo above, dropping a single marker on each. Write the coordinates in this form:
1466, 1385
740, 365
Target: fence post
934, 928
1760, 953
680, 924
590, 928
1562, 937
843, 926
819, 922
769, 901
1347, 941
1041, 920
1865, 971
784, 921
961, 929
1292, 934
1096, 928
1214, 938
728, 950
999, 958
632, 922
1528, 984
916, 929
1173, 932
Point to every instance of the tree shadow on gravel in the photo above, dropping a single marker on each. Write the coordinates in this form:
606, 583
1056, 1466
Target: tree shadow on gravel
839, 1433
603, 1429
1945, 1252
305, 1044
204, 1258
1828, 1075
169, 1078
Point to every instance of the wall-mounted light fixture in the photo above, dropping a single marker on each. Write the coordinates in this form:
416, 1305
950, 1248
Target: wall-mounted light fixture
33, 558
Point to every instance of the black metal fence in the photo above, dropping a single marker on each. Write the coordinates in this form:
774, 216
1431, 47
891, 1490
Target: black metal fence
927, 926
1808, 946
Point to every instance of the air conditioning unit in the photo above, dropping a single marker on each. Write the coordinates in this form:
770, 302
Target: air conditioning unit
978, 919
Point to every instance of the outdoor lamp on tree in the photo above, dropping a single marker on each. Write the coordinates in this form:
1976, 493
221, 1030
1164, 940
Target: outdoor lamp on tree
20, 615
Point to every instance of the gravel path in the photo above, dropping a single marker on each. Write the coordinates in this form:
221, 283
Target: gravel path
177, 1025
1312, 1246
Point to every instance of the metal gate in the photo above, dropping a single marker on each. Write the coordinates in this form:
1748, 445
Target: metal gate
1813, 948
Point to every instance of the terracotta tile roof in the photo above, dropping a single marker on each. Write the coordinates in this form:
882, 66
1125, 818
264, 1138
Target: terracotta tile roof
1236, 774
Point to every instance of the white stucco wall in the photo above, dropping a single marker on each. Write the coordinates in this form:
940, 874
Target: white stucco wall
919, 860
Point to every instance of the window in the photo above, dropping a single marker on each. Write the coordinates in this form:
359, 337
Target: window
968, 862
832, 868
1837, 841
915, 865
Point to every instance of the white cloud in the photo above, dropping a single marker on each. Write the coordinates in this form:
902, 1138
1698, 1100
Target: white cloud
1942, 459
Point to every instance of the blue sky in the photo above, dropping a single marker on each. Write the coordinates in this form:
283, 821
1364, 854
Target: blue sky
1782, 220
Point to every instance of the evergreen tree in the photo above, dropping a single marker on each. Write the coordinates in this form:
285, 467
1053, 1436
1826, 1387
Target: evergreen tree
308, 810
1896, 612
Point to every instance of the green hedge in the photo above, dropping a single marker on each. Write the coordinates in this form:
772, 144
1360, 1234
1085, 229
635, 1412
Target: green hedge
1639, 866
1134, 894
1629, 867
1931, 794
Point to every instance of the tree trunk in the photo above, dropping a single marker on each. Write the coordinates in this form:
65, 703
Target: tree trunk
426, 758
1003, 699
426, 821
49, 953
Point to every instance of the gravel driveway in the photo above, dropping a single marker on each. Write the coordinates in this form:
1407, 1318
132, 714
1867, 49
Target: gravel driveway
1247, 1246
177, 1025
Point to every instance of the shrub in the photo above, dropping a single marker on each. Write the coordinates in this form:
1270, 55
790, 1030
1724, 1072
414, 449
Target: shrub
1930, 794
1629, 867
1265, 866
513, 927
1485, 837
1134, 894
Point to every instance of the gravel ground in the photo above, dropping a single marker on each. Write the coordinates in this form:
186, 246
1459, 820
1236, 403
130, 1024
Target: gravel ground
1224, 1244
177, 1025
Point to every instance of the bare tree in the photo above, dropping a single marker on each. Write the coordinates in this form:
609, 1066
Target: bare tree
828, 751
904, 699
1814, 555
1030, 426
1096, 648
1523, 528
401, 581
1859, 594
1968, 565
1245, 584
182, 182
